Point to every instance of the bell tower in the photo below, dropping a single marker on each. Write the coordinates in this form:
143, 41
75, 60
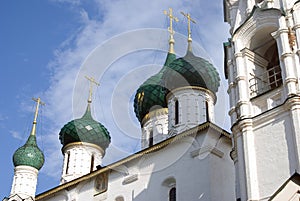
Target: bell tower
262, 69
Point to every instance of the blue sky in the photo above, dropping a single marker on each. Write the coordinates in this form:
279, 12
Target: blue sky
48, 46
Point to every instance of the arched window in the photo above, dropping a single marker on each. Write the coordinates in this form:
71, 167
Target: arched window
265, 72
172, 194
119, 198
168, 190
176, 112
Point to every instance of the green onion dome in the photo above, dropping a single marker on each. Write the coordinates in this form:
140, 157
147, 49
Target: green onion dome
191, 71
29, 154
85, 129
151, 94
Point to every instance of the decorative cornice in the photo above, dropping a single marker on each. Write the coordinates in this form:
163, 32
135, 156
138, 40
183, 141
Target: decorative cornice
256, 18
85, 144
285, 55
129, 179
256, 58
192, 88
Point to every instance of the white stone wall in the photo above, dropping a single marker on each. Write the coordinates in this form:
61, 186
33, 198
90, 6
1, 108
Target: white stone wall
78, 160
275, 153
200, 168
24, 181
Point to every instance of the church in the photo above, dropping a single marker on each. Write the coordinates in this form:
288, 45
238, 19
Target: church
184, 154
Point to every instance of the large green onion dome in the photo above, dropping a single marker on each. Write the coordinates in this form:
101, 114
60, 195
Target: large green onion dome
29, 154
85, 129
151, 94
191, 71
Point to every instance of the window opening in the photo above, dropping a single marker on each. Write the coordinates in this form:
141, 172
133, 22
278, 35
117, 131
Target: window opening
92, 163
176, 112
151, 138
68, 162
269, 78
172, 194
207, 111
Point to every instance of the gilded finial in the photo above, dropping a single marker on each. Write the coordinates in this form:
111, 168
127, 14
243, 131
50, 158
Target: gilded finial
38, 103
92, 81
188, 16
170, 28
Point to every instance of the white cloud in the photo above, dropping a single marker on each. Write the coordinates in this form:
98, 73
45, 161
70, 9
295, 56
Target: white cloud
122, 74
16, 135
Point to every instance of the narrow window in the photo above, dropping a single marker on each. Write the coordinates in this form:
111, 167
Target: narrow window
176, 112
92, 163
172, 194
151, 138
207, 111
68, 161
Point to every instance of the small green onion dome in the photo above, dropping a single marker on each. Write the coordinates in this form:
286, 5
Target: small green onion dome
29, 154
191, 71
85, 129
151, 94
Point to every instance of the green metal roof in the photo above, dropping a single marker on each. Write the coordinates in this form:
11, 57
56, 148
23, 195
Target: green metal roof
151, 94
191, 71
85, 129
29, 154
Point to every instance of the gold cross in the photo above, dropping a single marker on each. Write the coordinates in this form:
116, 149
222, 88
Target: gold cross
172, 17
38, 103
92, 81
188, 16
170, 28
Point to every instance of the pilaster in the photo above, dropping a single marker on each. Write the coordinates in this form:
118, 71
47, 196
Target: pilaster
286, 60
247, 160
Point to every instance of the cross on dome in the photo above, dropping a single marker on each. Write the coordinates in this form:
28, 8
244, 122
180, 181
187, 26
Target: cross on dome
188, 16
91, 81
170, 28
38, 103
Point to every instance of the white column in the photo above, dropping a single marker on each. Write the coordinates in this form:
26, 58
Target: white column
287, 63
296, 18
242, 87
24, 181
247, 161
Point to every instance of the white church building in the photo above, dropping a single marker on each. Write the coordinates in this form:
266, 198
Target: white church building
185, 156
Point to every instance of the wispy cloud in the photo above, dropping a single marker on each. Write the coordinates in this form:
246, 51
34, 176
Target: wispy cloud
82, 53
16, 135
